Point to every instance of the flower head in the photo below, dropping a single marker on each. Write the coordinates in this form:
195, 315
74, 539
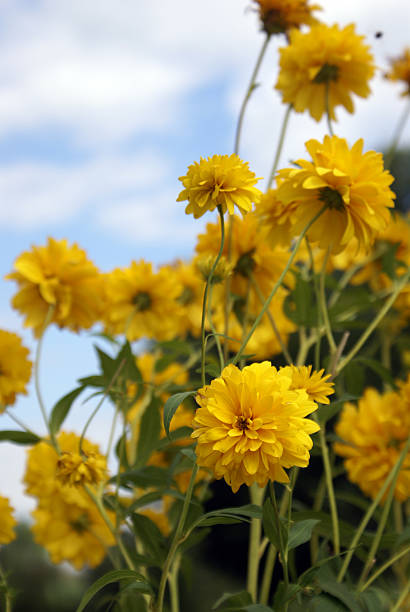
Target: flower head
141, 302
77, 470
73, 532
326, 57
314, 383
220, 180
276, 219
15, 368
60, 276
7, 521
373, 435
250, 425
353, 185
279, 16
400, 70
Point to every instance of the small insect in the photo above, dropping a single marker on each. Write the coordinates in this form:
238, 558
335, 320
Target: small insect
378, 34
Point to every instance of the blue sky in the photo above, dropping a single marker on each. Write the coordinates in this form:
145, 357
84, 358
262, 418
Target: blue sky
102, 109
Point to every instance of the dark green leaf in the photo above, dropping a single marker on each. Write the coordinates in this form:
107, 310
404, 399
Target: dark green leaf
171, 406
301, 532
270, 526
114, 576
190, 453
389, 261
232, 601
377, 367
300, 305
18, 437
284, 594
328, 583
257, 608
374, 599
62, 408
354, 377
93, 381
326, 603
148, 476
150, 429
151, 538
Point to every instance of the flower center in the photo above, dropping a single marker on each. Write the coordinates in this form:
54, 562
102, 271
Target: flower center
141, 301
186, 297
80, 524
327, 73
332, 198
245, 264
242, 423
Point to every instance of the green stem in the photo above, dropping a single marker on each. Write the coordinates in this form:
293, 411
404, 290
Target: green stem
396, 137
20, 423
323, 305
402, 598
391, 478
317, 505
173, 584
251, 87
277, 285
228, 283
46, 323
100, 403
98, 502
327, 105
383, 568
112, 430
257, 493
6, 591
279, 147
371, 557
213, 330
261, 298
271, 558
382, 312
330, 489
158, 605
316, 288
283, 553
205, 300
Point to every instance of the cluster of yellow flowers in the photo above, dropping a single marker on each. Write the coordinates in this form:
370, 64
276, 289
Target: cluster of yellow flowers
373, 435
7, 521
15, 368
66, 521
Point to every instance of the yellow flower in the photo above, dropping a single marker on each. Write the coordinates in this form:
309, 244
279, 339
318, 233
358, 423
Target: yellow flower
220, 180
373, 436
77, 470
141, 302
204, 264
15, 368
400, 70
278, 16
353, 185
325, 57
61, 276
250, 425
186, 276
73, 532
249, 254
42, 467
7, 521
276, 219
314, 383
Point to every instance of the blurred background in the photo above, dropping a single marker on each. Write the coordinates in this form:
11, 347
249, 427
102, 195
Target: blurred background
103, 105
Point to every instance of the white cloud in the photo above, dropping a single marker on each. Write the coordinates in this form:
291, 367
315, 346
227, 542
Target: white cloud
39, 194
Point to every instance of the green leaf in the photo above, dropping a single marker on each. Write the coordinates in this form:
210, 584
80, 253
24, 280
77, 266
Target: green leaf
374, 600
232, 601
62, 408
299, 305
114, 576
328, 583
301, 532
190, 453
354, 378
171, 406
18, 437
377, 367
327, 411
284, 594
257, 608
95, 380
326, 603
151, 538
147, 476
150, 429
229, 515
270, 525
389, 261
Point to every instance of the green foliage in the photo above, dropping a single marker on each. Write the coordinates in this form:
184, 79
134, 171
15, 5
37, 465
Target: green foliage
171, 406
24, 438
61, 409
110, 577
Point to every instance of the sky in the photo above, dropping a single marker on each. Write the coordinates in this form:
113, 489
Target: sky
103, 105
